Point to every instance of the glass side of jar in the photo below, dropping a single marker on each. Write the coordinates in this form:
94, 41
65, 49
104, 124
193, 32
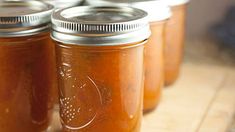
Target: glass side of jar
100, 87
154, 66
175, 37
27, 83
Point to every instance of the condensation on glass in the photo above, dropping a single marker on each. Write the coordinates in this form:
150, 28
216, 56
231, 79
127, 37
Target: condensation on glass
100, 63
27, 66
175, 37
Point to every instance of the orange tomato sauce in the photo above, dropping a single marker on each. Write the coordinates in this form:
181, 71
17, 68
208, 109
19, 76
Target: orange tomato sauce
27, 83
154, 66
101, 87
175, 36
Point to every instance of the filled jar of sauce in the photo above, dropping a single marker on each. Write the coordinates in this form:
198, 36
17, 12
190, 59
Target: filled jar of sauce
175, 36
27, 79
100, 64
158, 12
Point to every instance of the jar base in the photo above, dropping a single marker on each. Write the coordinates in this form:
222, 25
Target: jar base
150, 110
171, 77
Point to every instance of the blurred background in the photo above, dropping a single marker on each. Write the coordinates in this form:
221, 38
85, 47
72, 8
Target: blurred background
210, 42
202, 14
211, 30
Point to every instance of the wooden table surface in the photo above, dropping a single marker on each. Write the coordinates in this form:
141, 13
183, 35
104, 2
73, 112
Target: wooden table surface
202, 100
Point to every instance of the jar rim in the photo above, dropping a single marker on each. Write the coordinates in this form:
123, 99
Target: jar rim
177, 2
63, 3
99, 25
23, 18
157, 10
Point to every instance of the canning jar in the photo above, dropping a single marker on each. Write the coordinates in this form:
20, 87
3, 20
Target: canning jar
27, 79
175, 36
100, 61
158, 13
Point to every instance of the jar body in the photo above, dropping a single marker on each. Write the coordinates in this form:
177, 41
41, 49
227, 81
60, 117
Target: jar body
154, 66
101, 87
175, 36
27, 83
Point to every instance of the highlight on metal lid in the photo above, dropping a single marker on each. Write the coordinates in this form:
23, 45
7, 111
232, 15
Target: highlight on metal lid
22, 18
100, 25
157, 9
176, 2
105, 2
64, 3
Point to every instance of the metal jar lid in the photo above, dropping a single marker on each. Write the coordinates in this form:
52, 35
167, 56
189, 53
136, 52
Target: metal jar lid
157, 10
100, 25
23, 18
176, 2
63, 3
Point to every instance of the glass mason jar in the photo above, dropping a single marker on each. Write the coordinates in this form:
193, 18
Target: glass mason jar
175, 37
158, 12
27, 66
100, 61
